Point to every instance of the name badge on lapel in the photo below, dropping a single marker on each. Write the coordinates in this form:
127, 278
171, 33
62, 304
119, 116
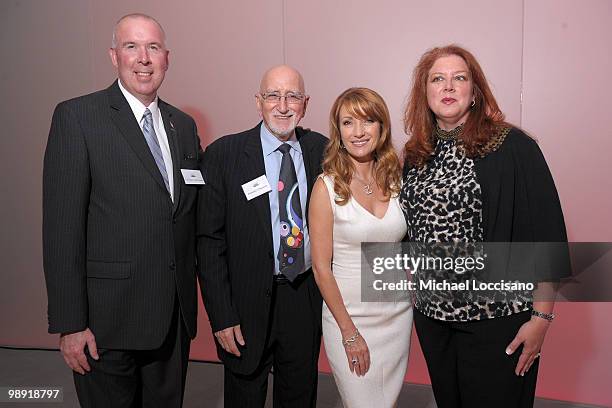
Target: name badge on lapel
192, 176
256, 187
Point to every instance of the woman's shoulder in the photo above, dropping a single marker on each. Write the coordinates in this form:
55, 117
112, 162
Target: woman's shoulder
326, 188
519, 136
517, 148
521, 143
509, 139
326, 178
328, 181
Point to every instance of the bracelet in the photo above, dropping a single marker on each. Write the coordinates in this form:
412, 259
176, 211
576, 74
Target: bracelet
545, 316
351, 340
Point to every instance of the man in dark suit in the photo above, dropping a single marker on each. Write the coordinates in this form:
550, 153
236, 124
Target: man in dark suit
120, 184
257, 284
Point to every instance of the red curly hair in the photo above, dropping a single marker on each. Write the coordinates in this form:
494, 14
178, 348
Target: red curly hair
482, 124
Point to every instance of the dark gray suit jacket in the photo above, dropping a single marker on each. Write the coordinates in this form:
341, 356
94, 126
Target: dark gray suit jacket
116, 249
235, 241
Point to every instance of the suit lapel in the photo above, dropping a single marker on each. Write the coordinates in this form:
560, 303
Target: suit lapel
123, 117
252, 166
310, 164
173, 142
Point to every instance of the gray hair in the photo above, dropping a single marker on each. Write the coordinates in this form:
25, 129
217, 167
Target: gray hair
135, 15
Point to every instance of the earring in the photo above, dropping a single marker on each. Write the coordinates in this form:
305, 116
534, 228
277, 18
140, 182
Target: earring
473, 103
342, 145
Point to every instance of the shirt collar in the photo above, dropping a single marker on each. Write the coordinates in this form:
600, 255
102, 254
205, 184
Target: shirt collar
138, 107
270, 143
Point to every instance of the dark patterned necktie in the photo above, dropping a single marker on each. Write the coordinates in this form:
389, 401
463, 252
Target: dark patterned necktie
291, 250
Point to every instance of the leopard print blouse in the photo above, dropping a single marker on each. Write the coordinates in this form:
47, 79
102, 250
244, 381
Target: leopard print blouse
442, 202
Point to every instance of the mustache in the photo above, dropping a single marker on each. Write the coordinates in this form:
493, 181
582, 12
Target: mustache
289, 112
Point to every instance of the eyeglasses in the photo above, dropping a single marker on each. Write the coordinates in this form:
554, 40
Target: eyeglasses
292, 98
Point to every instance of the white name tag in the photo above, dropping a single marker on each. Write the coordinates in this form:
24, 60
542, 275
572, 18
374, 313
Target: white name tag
192, 176
256, 187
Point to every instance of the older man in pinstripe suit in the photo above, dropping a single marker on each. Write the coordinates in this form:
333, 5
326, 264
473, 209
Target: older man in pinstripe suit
257, 284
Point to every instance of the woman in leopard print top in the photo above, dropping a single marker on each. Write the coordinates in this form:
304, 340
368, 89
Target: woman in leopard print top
470, 177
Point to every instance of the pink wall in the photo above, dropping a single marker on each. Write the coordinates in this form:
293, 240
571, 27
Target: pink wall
547, 61
566, 51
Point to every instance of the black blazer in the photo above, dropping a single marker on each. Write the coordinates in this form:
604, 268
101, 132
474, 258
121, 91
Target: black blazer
235, 241
520, 204
116, 249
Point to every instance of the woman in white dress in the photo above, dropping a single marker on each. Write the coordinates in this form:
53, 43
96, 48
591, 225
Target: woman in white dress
355, 201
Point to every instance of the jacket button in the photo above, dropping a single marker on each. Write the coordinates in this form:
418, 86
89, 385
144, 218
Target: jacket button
268, 293
172, 265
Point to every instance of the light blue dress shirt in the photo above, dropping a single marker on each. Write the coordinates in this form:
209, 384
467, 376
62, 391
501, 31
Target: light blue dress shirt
272, 161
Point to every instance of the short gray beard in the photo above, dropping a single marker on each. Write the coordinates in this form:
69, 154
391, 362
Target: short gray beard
284, 133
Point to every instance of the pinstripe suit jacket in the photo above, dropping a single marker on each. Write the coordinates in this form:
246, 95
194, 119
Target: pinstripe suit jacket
116, 249
235, 250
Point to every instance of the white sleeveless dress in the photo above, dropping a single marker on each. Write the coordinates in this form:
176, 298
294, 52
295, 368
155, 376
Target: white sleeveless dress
385, 326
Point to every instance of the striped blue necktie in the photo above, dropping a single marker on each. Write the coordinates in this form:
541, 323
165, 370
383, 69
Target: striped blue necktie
151, 138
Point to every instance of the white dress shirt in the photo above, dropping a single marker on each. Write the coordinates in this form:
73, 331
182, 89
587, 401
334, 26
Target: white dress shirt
138, 109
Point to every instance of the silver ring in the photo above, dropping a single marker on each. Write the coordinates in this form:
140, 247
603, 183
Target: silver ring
538, 355
354, 361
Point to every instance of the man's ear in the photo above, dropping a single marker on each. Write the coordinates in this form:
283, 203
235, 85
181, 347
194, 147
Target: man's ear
167, 60
306, 99
112, 53
258, 104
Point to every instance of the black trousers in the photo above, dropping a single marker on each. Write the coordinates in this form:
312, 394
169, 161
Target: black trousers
468, 365
128, 378
291, 351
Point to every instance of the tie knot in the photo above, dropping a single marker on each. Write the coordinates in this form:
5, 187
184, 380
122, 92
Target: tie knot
284, 148
147, 114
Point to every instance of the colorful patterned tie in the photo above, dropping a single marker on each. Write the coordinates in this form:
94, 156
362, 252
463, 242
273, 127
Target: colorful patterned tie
151, 138
291, 251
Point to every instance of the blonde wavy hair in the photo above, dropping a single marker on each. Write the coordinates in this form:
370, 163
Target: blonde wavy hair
362, 103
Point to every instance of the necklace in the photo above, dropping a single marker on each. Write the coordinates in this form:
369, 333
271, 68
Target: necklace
367, 186
447, 134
